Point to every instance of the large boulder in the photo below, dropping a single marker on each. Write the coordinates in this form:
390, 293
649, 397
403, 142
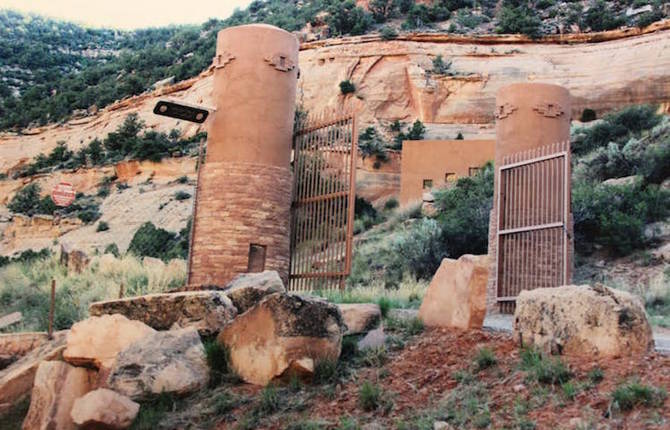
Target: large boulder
15, 345
247, 289
582, 320
97, 341
360, 317
57, 385
456, 297
169, 361
283, 331
206, 311
104, 409
16, 381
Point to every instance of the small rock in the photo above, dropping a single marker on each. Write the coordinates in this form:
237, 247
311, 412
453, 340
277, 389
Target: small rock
97, 341
518, 388
57, 385
441, 425
247, 289
104, 408
168, 361
360, 317
374, 339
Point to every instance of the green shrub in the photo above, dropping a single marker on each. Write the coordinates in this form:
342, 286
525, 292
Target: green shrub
384, 306
600, 17
463, 213
344, 17
182, 195
182, 179
113, 249
391, 204
588, 115
459, 136
544, 369
347, 87
388, 33
269, 401
375, 357
518, 18
325, 371
218, 358
467, 406
152, 412
485, 358
615, 216
632, 394
150, 241
370, 144
439, 66
102, 226
370, 396
596, 375
27, 201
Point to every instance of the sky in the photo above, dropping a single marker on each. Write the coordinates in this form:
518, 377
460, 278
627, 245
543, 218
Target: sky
128, 14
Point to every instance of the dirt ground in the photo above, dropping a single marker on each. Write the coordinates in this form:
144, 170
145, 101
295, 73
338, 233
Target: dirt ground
433, 377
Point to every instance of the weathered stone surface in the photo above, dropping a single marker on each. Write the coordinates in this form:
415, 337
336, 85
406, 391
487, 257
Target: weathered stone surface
280, 330
374, 339
360, 317
16, 381
15, 345
206, 311
104, 408
97, 341
57, 385
171, 362
249, 288
456, 297
583, 320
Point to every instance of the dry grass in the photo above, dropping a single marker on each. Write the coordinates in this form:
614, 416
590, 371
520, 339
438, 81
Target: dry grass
25, 287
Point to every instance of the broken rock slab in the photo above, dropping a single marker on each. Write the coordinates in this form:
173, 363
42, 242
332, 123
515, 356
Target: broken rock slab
15, 345
57, 385
360, 317
282, 329
456, 297
583, 320
16, 381
104, 409
247, 289
165, 362
206, 311
96, 341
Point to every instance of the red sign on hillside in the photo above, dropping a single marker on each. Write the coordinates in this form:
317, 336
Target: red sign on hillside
63, 194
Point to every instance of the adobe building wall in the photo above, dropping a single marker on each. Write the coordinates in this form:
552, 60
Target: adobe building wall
242, 213
529, 117
433, 159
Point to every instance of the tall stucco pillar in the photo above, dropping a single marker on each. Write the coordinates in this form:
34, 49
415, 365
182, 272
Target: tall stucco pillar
532, 120
242, 214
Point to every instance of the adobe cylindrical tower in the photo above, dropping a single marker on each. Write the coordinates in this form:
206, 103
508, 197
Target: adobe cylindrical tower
533, 151
242, 214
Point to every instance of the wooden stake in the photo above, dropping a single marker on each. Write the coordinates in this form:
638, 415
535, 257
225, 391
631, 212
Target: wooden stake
121, 291
51, 309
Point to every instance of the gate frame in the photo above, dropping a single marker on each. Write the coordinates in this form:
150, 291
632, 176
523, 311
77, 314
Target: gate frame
564, 153
320, 121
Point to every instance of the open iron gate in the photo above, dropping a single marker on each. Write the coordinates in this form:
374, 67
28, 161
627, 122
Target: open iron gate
534, 209
322, 213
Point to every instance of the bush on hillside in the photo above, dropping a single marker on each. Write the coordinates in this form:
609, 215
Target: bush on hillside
27, 201
616, 127
371, 144
415, 132
600, 17
463, 213
615, 216
344, 17
518, 18
150, 241
347, 87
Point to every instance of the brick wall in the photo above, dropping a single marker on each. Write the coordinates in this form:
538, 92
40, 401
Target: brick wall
240, 204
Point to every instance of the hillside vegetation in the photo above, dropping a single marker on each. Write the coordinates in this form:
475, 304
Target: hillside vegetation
52, 69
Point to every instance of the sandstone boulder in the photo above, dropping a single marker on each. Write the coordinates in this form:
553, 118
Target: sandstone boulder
247, 289
96, 341
16, 381
57, 386
280, 332
583, 320
104, 408
206, 311
170, 361
15, 345
360, 317
456, 297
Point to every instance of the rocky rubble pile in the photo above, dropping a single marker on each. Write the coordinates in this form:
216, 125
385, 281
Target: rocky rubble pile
131, 350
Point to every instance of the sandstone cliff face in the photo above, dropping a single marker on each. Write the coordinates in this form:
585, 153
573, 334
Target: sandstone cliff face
624, 67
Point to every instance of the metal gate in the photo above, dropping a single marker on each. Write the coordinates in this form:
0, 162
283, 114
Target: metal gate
322, 214
533, 212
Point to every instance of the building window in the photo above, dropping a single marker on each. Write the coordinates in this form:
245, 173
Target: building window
449, 177
427, 184
472, 171
256, 258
